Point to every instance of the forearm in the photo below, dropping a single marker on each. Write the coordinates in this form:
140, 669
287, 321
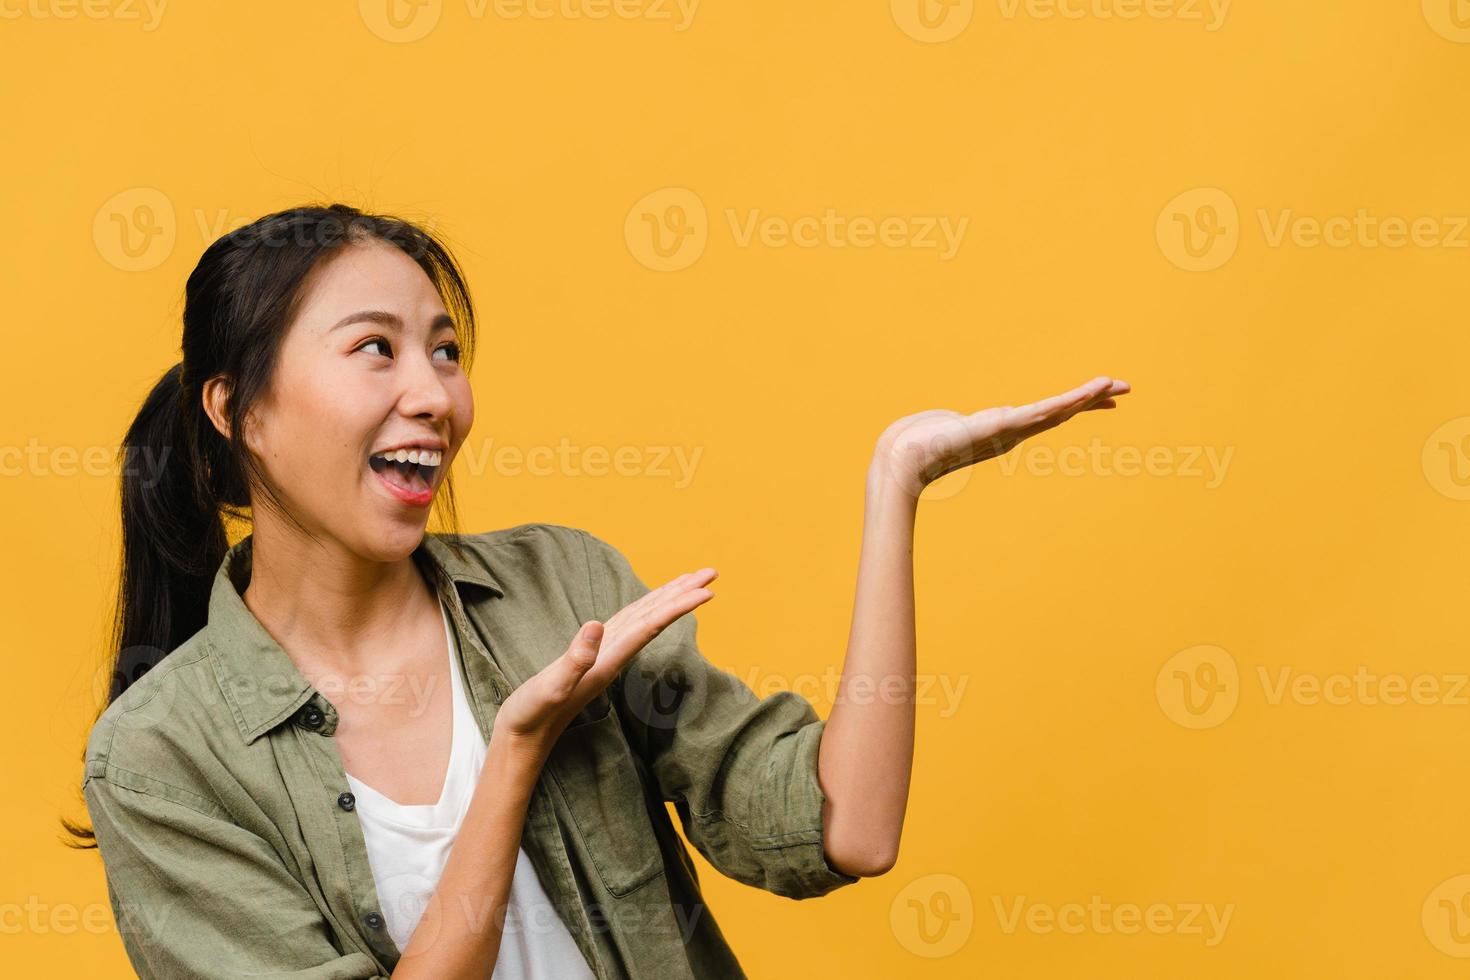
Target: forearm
459, 933
866, 756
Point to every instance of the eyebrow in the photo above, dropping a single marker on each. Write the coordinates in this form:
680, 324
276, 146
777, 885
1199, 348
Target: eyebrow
387, 319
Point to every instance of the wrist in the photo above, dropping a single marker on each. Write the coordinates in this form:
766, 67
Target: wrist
886, 480
518, 757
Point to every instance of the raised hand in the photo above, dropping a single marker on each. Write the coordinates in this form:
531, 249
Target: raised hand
918, 449
535, 713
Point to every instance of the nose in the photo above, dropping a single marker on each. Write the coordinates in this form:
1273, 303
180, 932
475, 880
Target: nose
423, 393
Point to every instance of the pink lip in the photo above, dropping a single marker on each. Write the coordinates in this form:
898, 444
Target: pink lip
421, 499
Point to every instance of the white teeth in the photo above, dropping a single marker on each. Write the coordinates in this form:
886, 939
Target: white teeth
424, 457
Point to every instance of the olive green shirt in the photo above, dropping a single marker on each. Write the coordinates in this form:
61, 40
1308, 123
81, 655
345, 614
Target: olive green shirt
229, 834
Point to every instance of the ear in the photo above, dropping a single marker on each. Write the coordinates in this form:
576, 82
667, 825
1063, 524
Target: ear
216, 396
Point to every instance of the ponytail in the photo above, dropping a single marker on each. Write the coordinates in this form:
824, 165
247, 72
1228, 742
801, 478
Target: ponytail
173, 538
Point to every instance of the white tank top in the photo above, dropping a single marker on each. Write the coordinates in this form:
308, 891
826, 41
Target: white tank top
409, 845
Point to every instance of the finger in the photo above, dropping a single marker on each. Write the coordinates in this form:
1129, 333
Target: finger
1094, 393
1107, 398
1049, 407
652, 621
677, 584
635, 633
1108, 394
674, 586
1116, 390
1051, 422
578, 659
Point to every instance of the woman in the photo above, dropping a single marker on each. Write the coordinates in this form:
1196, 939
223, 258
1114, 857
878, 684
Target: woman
346, 747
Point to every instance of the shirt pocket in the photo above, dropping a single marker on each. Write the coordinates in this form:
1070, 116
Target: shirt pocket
593, 765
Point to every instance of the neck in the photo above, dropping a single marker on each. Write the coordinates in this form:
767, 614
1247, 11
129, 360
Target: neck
328, 607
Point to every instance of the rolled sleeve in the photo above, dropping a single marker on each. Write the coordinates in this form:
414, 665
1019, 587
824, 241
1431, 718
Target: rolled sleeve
195, 895
740, 770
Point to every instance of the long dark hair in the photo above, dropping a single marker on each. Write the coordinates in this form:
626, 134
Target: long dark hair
181, 478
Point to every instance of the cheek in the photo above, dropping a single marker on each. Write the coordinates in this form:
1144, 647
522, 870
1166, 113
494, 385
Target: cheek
318, 436
463, 415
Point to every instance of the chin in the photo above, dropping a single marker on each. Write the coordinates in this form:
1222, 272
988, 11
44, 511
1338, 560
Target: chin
395, 538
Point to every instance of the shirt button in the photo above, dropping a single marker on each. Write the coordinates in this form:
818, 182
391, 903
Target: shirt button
373, 920
312, 717
347, 801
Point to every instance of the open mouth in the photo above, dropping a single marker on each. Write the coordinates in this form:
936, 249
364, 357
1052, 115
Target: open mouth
410, 473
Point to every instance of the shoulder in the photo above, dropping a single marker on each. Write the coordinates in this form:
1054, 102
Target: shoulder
535, 538
152, 737
540, 559
532, 547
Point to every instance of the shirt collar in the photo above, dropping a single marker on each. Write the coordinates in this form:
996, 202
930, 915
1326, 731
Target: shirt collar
260, 682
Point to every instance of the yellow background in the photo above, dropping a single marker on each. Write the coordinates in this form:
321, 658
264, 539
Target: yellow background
1333, 542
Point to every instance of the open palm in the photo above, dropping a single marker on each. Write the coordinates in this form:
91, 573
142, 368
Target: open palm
918, 449
538, 710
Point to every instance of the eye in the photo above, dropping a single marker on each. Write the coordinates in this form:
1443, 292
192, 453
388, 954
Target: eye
452, 347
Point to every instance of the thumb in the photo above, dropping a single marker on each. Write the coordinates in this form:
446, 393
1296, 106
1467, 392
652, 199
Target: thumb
565, 672
583, 651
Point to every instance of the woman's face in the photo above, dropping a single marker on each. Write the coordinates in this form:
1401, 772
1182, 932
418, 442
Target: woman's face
370, 364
